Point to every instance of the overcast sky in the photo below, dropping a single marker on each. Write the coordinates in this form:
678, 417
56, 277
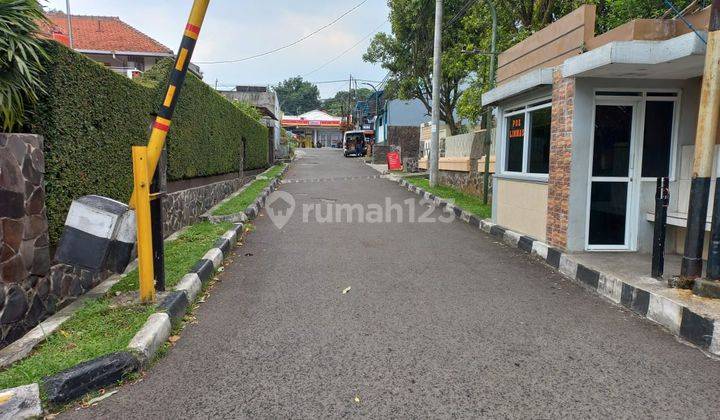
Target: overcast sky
239, 28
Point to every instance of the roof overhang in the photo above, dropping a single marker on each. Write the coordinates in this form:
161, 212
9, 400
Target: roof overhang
682, 57
526, 82
139, 53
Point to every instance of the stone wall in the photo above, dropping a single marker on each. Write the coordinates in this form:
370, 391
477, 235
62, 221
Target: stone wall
183, 208
407, 138
468, 182
561, 130
24, 248
380, 151
30, 289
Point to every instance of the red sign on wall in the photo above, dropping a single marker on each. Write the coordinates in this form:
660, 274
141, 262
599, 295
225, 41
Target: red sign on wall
393, 160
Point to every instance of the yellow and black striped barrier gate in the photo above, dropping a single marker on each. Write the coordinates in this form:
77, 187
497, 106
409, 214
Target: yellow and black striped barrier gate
146, 158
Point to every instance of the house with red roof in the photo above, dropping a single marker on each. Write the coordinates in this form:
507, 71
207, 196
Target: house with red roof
110, 41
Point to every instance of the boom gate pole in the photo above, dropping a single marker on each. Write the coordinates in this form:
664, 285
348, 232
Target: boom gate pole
149, 220
707, 130
161, 126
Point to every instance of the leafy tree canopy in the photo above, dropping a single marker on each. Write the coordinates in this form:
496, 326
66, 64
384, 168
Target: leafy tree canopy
407, 54
20, 60
297, 96
338, 104
518, 19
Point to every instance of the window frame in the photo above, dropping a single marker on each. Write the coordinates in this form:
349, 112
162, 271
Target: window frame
525, 108
642, 99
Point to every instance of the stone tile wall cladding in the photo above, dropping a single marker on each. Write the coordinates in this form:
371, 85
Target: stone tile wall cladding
468, 182
30, 289
407, 138
380, 151
183, 208
25, 291
563, 95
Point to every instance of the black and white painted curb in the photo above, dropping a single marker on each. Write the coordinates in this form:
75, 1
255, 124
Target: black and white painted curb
696, 328
24, 402
253, 209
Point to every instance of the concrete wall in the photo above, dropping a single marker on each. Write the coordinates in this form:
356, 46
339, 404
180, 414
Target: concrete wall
522, 206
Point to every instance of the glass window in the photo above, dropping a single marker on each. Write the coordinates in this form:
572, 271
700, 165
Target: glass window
539, 156
613, 129
657, 141
515, 142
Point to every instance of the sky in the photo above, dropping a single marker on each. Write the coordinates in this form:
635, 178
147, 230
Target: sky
239, 28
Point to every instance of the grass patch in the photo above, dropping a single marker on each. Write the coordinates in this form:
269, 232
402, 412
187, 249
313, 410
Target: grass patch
93, 331
240, 202
180, 255
274, 171
467, 202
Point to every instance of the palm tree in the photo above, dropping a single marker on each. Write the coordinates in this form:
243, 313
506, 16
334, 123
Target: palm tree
20, 55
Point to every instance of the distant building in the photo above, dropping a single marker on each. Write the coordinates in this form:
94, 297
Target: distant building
399, 125
318, 126
266, 101
110, 41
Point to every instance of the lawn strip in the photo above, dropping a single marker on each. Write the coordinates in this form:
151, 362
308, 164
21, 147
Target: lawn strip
94, 330
467, 202
240, 202
181, 254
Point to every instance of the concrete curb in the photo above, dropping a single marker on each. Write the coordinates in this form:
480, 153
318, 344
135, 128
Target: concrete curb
107, 370
151, 336
23, 346
242, 217
696, 328
22, 402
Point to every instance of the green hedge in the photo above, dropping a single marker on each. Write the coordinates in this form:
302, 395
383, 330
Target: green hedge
90, 117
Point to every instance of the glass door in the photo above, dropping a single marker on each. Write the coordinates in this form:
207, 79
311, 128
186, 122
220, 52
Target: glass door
611, 177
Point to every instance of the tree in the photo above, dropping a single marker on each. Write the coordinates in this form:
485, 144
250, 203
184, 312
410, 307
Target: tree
518, 19
407, 54
338, 104
20, 54
297, 96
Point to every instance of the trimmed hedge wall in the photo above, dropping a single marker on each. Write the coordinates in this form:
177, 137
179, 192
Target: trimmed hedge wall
90, 117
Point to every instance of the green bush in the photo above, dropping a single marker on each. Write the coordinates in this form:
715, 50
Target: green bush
90, 117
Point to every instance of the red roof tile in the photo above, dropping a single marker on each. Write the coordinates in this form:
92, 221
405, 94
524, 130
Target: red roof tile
102, 33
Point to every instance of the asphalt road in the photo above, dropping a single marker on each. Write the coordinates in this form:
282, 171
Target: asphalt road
441, 321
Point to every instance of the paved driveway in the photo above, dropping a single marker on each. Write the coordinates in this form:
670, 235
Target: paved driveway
441, 321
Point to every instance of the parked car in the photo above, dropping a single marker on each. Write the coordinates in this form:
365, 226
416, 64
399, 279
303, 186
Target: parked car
355, 143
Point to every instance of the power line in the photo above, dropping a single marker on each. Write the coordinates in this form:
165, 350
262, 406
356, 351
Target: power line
459, 15
322, 82
288, 45
332, 60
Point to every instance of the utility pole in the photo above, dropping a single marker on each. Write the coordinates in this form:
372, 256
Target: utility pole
435, 139
349, 113
707, 129
69, 23
488, 112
